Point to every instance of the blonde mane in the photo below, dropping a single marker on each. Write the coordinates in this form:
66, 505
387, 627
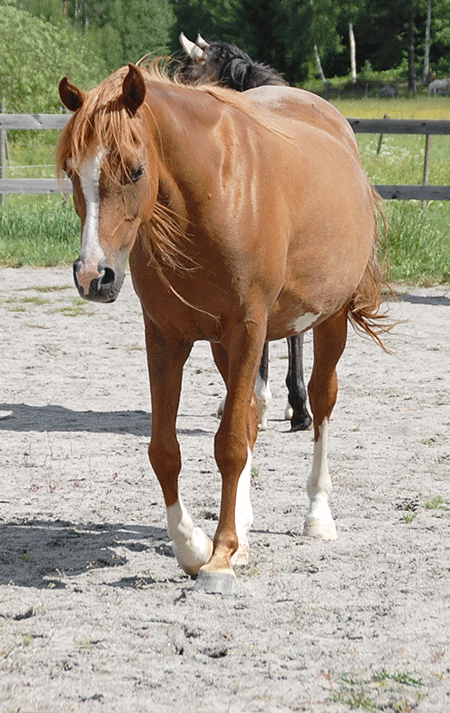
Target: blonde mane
102, 121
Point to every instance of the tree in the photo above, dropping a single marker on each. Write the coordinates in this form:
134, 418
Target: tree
34, 54
426, 57
50, 10
124, 30
440, 38
274, 32
329, 35
143, 27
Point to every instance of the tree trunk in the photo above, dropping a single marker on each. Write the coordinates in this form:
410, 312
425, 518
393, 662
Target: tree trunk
316, 50
426, 59
411, 60
352, 51
319, 65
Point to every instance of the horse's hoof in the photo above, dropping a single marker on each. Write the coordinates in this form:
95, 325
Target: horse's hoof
216, 582
303, 423
320, 530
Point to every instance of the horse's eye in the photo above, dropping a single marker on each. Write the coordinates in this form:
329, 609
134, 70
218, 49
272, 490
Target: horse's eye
134, 176
68, 170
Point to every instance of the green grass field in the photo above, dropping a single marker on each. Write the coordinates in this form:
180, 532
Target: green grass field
42, 230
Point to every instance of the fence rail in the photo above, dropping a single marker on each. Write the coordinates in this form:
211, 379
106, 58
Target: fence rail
422, 192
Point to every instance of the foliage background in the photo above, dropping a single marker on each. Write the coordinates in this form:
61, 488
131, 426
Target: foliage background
34, 54
41, 40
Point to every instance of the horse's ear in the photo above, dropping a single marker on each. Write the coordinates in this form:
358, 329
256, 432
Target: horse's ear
133, 89
71, 96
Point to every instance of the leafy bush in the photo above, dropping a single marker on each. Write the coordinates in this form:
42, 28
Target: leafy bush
34, 55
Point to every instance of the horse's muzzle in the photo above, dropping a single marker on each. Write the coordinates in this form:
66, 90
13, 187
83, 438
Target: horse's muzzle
104, 286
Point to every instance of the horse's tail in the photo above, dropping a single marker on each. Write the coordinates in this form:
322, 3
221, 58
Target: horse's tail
364, 308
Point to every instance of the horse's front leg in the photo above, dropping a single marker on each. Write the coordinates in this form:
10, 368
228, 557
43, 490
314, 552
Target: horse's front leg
235, 438
262, 390
329, 343
166, 359
296, 411
244, 510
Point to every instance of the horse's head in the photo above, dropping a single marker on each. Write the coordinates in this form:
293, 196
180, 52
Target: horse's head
203, 61
106, 152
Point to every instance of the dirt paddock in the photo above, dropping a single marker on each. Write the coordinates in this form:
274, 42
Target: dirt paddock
95, 614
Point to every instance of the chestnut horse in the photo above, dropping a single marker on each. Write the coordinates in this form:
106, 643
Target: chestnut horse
245, 218
224, 63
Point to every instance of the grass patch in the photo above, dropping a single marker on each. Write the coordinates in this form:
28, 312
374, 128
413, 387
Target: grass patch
45, 289
77, 307
380, 692
419, 107
42, 233
417, 248
34, 300
409, 516
437, 503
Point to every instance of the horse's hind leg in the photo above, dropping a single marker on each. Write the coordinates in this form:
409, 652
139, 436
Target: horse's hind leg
329, 343
166, 359
296, 411
262, 389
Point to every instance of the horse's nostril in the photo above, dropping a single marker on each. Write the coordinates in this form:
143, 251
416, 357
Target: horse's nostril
108, 276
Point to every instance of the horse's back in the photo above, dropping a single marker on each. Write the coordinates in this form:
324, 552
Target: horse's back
302, 106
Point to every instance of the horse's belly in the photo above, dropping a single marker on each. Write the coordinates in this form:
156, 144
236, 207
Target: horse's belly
307, 299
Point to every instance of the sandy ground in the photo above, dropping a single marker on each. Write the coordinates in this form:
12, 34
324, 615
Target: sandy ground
95, 614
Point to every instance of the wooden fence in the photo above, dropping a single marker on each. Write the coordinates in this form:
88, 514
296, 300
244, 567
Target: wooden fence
423, 192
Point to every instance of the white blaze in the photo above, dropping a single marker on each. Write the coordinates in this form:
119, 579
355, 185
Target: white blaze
91, 252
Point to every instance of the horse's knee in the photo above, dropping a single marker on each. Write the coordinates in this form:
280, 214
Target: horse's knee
166, 462
230, 454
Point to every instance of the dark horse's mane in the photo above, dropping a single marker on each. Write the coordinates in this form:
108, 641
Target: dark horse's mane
236, 69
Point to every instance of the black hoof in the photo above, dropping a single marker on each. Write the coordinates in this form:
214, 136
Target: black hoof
303, 422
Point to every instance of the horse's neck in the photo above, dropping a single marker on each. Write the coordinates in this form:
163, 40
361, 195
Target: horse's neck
175, 112
179, 125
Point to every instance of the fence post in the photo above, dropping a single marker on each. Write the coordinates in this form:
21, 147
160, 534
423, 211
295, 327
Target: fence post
380, 140
2, 151
426, 165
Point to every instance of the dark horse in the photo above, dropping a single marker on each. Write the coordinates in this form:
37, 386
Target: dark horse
232, 67
270, 229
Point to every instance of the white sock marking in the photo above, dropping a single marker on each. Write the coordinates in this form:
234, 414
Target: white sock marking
190, 545
264, 396
319, 521
244, 511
